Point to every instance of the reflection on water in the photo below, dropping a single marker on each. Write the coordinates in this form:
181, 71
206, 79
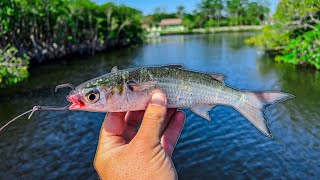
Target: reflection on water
61, 144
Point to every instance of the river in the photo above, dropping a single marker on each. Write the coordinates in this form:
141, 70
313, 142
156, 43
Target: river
62, 144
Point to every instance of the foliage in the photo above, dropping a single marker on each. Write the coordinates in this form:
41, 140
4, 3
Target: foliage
50, 29
271, 38
289, 10
160, 13
188, 21
211, 13
303, 49
238, 12
13, 68
245, 12
294, 36
47, 25
180, 12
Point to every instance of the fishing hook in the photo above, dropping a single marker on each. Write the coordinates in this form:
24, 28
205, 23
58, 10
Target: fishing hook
36, 108
64, 86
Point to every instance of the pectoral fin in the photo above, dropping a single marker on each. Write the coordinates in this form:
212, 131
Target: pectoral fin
202, 111
141, 86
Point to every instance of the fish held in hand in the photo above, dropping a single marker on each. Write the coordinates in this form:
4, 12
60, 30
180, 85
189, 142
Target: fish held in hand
131, 90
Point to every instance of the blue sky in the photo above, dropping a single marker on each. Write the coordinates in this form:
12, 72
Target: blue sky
148, 6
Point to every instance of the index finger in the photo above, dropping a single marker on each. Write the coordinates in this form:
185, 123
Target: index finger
132, 121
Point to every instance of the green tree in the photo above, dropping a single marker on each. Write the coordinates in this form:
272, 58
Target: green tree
50, 29
294, 37
208, 9
180, 11
305, 49
256, 13
218, 4
189, 21
237, 11
295, 15
160, 13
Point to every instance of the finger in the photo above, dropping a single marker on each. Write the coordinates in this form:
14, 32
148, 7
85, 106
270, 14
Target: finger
112, 128
153, 122
170, 113
172, 132
132, 120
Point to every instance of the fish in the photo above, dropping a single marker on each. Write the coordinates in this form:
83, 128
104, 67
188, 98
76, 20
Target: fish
131, 89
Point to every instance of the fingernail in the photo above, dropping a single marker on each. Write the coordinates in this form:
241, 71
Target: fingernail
158, 99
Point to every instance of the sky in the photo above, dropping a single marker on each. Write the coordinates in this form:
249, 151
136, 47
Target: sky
148, 6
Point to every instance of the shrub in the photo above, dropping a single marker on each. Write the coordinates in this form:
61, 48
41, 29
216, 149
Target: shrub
212, 23
303, 49
13, 68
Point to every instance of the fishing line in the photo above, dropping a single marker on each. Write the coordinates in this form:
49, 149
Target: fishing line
37, 108
34, 109
15, 119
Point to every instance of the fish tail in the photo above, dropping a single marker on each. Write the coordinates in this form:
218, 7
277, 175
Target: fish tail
253, 104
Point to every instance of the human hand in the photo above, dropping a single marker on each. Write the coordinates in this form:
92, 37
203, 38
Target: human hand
125, 153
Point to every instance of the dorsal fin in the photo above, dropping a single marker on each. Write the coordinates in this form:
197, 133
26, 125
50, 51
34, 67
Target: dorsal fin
114, 69
218, 77
173, 66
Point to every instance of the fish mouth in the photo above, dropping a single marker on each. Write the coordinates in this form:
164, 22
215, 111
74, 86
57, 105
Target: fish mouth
76, 103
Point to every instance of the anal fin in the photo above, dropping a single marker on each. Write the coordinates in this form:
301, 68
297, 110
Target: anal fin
202, 111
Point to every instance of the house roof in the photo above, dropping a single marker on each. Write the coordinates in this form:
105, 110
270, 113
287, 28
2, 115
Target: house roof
171, 21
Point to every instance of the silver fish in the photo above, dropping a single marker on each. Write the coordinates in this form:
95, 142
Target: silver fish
131, 90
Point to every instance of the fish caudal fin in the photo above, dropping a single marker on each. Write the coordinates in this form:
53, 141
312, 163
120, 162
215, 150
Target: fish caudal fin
254, 104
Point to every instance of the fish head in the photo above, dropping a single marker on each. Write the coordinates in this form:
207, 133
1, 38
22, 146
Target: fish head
88, 99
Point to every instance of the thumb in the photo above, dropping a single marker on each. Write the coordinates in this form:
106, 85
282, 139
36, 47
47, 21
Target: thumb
153, 123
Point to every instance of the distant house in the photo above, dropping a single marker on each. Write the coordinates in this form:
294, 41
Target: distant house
172, 24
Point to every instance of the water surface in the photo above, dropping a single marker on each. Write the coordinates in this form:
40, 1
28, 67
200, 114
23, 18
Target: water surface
62, 144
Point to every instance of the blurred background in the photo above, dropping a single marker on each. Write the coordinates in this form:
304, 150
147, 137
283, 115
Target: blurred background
258, 44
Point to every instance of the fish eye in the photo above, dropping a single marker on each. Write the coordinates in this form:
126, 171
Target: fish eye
92, 96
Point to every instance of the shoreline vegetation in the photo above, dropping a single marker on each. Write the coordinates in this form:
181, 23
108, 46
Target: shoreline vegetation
211, 30
39, 31
294, 36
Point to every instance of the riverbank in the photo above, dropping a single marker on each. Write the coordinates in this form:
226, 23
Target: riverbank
67, 28
36, 33
214, 30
